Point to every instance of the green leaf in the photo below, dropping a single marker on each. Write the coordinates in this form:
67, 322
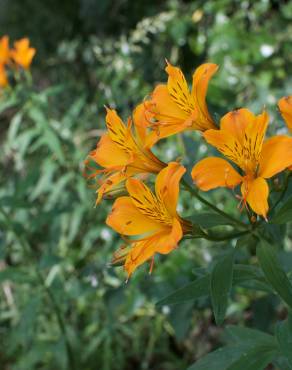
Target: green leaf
237, 357
250, 277
209, 219
256, 358
274, 272
284, 213
220, 359
243, 275
194, 290
8, 103
241, 334
14, 127
16, 275
248, 240
284, 338
250, 350
220, 285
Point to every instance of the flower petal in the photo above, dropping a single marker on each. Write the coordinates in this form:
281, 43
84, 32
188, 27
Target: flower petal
161, 131
178, 89
167, 186
214, 172
4, 50
256, 193
235, 122
108, 154
142, 120
254, 138
118, 132
126, 219
226, 143
169, 241
285, 107
3, 76
108, 184
244, 151
146, 202
276, 156
22, 53
201, 79
163, 242
166, 110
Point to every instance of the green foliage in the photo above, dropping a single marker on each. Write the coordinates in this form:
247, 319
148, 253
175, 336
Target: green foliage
61, 305
274, 272
284, 338
220, 285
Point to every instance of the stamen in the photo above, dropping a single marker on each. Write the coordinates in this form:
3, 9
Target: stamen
151, 265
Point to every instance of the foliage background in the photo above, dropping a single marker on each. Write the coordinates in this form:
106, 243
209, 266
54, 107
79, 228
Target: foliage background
58, 291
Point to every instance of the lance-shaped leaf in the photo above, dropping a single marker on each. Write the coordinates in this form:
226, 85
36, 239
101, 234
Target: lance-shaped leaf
240, 334
284, 338
284, 213
256, 358
250, 277
237, 357
274, 272
220, 285
208, 219
192, 291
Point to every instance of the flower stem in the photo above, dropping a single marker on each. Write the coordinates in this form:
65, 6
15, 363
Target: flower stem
218, 238
195, 193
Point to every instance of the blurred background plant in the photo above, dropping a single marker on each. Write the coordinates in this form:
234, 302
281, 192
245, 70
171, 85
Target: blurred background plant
62, 306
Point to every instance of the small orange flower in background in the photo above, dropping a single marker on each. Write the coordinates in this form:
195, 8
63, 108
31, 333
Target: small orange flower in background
241, 139
4, 50
3, 76
285, 107
152, 217
4, 59
22, 53
175, 108
121, 152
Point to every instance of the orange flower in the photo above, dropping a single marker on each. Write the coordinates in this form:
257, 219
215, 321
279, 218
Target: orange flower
121, 152
285, 107
151, 216
241, 139
23, 53
4, 50
175, 108
3, 77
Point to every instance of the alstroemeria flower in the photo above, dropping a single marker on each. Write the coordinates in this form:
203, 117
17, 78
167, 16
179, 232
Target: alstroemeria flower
4, 50
241, 139
22, 53
285, 107
151, 217
176, 108
121, 152
3, 76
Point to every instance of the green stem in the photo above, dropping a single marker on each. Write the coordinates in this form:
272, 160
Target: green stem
219, 238
194, 192
27, 249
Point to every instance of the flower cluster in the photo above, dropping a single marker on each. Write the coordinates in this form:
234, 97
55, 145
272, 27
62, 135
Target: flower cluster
20, 55
148, 220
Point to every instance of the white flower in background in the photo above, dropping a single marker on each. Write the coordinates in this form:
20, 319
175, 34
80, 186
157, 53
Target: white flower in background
266, 50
